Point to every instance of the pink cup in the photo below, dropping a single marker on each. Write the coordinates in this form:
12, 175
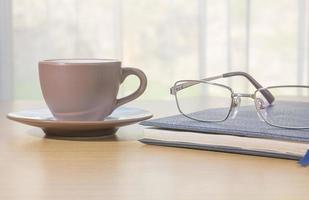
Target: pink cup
85, 89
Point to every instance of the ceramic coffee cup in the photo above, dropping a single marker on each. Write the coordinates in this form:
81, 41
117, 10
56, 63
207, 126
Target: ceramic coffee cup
85, 89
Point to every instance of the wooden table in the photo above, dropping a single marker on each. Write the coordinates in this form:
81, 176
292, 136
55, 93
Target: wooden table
34, 167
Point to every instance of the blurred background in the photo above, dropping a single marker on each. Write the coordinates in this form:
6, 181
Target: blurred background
168, 39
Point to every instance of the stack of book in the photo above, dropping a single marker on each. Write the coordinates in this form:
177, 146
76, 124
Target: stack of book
245, 134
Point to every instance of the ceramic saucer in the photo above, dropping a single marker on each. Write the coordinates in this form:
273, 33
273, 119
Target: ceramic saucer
42, 118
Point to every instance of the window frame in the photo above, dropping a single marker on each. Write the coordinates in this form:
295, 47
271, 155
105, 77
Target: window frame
6, 61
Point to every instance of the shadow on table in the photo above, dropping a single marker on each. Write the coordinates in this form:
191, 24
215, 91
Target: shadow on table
40, 134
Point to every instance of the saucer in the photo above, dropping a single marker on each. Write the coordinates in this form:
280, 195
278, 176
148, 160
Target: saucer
43, 118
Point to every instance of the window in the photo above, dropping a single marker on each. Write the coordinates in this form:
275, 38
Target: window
168, 39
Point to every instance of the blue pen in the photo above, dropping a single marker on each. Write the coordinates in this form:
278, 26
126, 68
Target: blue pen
304, 161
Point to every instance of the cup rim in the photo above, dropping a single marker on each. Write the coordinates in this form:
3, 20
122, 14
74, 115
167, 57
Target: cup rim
70, 61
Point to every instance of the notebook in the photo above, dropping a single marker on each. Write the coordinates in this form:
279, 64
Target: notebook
245, 134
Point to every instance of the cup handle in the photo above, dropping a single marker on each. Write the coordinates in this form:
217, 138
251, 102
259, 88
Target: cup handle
142, 86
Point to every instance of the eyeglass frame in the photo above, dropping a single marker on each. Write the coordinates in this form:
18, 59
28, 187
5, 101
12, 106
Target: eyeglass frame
259, 88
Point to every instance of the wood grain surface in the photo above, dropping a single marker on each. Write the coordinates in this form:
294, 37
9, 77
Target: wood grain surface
119, 167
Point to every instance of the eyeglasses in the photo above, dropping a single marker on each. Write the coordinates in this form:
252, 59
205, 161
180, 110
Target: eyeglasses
285, 106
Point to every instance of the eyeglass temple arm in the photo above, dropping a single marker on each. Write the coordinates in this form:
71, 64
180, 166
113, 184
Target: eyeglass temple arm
269, 97
266, 93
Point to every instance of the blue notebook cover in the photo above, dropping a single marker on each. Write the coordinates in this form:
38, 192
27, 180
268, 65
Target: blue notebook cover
246, 124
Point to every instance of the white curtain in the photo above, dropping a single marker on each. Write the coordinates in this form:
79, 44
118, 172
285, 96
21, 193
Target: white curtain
168, 39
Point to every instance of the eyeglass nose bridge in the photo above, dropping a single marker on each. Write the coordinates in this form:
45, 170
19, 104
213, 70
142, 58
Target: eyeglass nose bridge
236, 98
251, 96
